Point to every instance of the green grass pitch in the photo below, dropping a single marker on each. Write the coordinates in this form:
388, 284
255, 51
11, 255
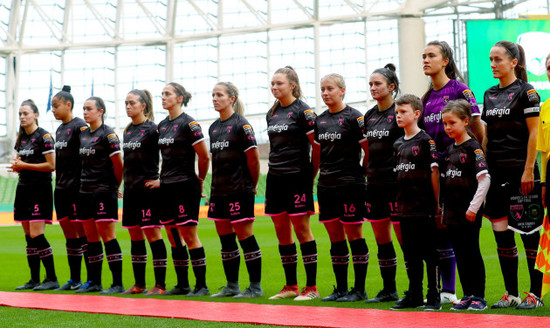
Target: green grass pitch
12, 259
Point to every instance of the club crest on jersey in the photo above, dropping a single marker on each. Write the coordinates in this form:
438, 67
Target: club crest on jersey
112, 138
248, 130
533, 96
390, 118
194, 126
463, 158
289, 115
517, 211
468, 94
445, 99
229, 129
432, 146
415, 150
340, 121
361, 122
510, 96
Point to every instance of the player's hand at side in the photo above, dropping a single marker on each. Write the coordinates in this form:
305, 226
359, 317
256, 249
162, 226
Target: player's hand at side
471, 216
527, 182
152, 184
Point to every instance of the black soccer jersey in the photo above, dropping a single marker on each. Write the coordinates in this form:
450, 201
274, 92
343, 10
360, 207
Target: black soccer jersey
96, 149
415, 159
176, 140
32, 149
229, 140
462, 165
68, 165
141, 154
340, 136
381, 131
287, 129
505, 111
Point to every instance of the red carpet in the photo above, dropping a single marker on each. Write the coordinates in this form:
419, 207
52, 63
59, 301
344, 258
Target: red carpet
282, 315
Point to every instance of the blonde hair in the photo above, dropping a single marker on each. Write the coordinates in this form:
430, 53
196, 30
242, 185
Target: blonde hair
337, 79
146, 98
232, 91
292, 77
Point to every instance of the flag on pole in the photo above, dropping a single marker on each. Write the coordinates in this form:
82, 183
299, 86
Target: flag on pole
543, 256
49, 105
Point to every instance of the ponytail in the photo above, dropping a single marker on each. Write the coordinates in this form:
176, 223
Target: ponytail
146, 98
515, 51
32, 105
180, 91
292, 77
232, 91
65, 95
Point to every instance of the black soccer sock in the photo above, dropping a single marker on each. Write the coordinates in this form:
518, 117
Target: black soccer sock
158, 249
309, 256
95, 257
114, 258
447, 267
74, 257
339, 254
231, 257
181, 265
289, 258
387, 260
252, 258
198, 262
33, 259
531, 243
360, 255
84, 244
46, 256
508, 258
139, 261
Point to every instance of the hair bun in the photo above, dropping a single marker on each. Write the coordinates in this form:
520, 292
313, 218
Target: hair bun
390, 66
66, 88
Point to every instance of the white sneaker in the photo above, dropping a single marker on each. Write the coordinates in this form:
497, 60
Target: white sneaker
449, 298
507, 301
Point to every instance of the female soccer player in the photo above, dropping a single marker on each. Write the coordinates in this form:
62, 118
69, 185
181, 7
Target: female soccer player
67, 182
464, 185
140, 214
289, 183
438, 63
381, 131
235, 173
180, 137
341, 187
98, 206
33, 197
512, 110
417, 201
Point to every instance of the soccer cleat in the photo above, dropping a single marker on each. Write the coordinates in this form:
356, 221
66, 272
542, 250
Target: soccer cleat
286, 292
254, 290
89, 286
199, 291
477, 304
448, 298
463, 304
157, 290
114, 289
47, 284
353, 296
227, 291
410, 301
28, 285
530, 301
336, 294
135, 289
178, 291
308, 293
70, 285
507, 301
384, 296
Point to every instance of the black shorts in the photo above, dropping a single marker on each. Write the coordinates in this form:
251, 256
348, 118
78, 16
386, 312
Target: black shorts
33, 203
346, 204
100, 206
66, 204
290, 194
503, 184
235, 208
381, 202
140, 208
180, 203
